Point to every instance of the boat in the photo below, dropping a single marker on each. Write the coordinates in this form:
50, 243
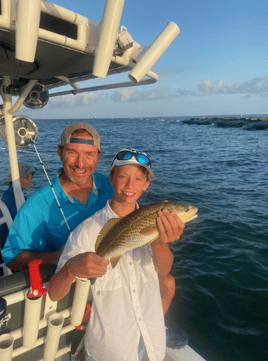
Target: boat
32, 327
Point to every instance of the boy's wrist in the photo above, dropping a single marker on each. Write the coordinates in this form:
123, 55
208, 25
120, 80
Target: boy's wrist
157, 243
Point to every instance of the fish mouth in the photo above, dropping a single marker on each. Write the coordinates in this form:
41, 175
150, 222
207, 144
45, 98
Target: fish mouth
188, 213
191, 212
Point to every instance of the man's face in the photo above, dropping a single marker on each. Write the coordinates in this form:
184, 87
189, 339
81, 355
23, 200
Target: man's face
129, 183
79, 160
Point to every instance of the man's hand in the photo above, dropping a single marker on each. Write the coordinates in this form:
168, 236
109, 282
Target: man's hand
87, 265
169, 225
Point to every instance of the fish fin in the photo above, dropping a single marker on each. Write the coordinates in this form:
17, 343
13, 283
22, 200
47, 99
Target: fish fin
105, 229
115, 260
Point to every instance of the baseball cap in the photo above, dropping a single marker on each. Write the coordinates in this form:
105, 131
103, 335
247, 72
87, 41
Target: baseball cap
66, 135
24, 169
132, 157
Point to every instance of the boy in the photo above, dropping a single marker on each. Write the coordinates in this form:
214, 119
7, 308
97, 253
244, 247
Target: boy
127, 310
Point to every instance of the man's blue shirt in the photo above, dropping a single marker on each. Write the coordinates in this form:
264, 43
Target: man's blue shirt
39, 225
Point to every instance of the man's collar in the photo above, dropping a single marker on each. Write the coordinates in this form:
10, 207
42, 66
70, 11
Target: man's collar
94, 186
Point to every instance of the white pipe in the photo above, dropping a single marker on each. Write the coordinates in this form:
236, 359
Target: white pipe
79, 301
106, 87
6, 347
150, 57
12, 152
68, 80
27, 27
31, 320
55, 323
19, 296
6, 216
18, 333
62, 352
131, 65
108, 33
23, 96
40, 341
16, 297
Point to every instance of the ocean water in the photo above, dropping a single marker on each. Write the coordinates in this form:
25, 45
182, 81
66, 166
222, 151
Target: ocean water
221, 260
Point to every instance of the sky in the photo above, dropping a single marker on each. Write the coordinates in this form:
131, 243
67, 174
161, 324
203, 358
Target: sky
216, 66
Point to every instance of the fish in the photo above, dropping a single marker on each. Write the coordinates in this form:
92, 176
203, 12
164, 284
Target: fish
137, 229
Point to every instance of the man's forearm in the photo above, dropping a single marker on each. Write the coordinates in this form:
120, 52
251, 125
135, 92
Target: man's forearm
21, 262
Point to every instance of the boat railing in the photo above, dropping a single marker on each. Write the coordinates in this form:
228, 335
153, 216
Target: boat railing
29, 333
5, 217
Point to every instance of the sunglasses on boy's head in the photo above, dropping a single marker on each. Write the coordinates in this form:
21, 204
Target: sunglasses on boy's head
128, 154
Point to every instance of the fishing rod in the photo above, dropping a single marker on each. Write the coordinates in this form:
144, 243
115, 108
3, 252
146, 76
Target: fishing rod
51, 186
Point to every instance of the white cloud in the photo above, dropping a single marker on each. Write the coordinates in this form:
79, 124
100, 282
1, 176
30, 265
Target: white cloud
186, 92
252, 87
71, 100
133, 95
122, 95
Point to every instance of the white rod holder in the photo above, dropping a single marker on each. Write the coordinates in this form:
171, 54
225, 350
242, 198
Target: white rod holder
150, 57
79, 301
31, 320
27, 28
108, 32
55, 323
6, 347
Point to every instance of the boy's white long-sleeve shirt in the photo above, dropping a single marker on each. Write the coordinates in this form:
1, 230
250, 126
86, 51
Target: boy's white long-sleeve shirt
126, 300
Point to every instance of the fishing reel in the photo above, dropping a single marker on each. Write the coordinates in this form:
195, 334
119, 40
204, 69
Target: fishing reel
25, 130
38, 96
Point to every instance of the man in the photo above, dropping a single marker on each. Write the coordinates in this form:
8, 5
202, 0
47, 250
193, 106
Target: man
39, 229
127, 309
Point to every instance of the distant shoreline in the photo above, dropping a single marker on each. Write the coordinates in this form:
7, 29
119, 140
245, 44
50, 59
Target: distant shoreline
249, 123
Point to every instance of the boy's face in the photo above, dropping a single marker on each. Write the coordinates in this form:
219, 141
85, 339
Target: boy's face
129, 183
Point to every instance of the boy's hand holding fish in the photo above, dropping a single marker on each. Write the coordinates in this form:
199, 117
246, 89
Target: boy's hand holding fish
170, 226
87, 265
